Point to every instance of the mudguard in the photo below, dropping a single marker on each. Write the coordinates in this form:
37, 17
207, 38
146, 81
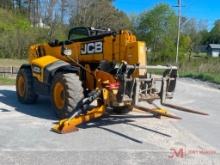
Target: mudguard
44, 68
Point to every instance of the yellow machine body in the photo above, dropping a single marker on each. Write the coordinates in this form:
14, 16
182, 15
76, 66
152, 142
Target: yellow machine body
121, 47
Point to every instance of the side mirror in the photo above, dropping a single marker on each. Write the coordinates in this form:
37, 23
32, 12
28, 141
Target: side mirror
54, 42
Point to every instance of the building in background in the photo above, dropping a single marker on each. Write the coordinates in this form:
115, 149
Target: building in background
213, 50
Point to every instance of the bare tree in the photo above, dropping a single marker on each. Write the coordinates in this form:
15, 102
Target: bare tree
63, 9
98, 14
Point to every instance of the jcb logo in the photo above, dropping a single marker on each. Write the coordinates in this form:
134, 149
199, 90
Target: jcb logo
92, 48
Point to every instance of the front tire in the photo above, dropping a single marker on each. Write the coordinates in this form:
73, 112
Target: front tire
66, 92
24, 86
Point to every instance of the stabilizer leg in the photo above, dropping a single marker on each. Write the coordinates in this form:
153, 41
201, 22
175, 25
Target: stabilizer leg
69, 125
82, 114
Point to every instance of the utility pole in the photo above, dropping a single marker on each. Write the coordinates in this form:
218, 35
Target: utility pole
178, 32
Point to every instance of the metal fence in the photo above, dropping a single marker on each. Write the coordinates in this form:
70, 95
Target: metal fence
10, 70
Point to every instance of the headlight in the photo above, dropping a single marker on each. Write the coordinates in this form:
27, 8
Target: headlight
36, 69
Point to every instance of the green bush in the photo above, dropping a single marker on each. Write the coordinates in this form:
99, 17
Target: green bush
17, 34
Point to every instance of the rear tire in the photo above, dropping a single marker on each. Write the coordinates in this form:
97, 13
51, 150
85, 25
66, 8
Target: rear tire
24, 86
66, 92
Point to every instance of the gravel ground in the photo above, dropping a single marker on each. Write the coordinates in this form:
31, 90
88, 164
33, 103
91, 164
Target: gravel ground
135, 138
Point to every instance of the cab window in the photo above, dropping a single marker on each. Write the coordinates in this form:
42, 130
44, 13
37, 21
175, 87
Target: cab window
78, 33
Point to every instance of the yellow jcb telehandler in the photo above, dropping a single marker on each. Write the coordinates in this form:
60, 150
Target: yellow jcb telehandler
94, 64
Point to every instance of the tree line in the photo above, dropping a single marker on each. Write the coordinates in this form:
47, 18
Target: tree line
21, 25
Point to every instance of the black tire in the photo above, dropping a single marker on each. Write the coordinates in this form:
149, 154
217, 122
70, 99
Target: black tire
24, 88
70, 95
123, 109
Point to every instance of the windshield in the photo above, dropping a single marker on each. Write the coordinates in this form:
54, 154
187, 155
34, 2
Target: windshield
78, 33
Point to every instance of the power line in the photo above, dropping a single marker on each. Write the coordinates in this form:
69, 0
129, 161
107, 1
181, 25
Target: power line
178, 32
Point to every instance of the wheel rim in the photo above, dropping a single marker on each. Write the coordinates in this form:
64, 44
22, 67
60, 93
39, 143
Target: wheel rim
58, 95
21, 85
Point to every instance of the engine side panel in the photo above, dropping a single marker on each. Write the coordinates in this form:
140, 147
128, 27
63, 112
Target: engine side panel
116, 48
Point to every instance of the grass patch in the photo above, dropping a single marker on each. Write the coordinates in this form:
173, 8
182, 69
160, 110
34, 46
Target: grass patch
203, 68
200, 66
155, 71
5, 62
7, 81
211, 77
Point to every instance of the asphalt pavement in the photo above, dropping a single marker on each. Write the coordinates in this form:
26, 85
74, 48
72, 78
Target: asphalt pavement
134, 138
